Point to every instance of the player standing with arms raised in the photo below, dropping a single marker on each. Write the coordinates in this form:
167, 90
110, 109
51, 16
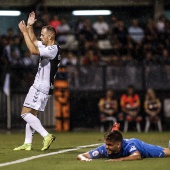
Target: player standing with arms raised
42, 87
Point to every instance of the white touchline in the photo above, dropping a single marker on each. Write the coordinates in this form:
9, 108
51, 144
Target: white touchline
48, 154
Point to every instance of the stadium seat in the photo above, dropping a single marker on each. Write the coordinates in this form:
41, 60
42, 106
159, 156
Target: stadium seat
107, 119
148, 123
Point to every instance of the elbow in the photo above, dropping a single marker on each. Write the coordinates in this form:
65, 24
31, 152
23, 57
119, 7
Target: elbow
79, 157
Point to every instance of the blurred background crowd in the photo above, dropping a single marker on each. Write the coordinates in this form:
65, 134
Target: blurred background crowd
100, 42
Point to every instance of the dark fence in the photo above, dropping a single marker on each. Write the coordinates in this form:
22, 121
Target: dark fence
87, 86
118, 78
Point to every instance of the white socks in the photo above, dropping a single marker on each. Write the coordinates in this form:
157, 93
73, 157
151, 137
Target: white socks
29, 133
35, 123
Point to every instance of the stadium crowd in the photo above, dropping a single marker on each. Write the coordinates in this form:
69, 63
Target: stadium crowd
101, 42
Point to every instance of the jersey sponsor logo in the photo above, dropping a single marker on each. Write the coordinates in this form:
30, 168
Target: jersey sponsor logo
133, 148
95, 153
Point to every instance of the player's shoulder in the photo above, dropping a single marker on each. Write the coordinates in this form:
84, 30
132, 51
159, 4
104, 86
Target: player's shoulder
39, 43
52, 47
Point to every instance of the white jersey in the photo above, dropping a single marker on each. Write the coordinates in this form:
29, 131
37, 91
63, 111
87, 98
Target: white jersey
48, 65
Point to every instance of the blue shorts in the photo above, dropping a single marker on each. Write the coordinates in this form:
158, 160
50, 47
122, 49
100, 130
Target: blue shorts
154, 151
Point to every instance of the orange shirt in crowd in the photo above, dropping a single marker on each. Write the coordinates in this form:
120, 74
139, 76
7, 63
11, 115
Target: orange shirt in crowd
130, 101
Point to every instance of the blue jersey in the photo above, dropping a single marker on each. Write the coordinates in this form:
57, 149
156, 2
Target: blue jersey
129, 146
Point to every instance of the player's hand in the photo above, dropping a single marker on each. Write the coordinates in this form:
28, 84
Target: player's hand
31, 19
86, 159
22, 26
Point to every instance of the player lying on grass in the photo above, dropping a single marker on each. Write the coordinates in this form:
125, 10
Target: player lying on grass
118, 149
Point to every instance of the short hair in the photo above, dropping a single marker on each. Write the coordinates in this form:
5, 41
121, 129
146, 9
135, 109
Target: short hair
114, 136
50, 29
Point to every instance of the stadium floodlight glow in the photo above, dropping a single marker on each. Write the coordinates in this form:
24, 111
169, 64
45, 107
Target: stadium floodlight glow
91, 12
9, 13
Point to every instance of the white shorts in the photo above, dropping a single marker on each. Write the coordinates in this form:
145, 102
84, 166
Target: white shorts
36, 99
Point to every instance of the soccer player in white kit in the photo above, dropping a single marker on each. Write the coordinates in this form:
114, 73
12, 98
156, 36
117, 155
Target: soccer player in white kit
42, 87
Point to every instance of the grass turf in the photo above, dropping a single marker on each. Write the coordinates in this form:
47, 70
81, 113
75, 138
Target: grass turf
67, 161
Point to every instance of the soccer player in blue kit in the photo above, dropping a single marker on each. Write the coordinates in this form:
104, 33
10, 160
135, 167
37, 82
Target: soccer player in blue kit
116, 148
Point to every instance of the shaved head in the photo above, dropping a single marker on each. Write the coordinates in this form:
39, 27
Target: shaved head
51, 31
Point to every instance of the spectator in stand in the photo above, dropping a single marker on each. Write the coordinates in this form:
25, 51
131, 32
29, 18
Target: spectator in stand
160, 24
164, 57
10, 33
37, 27
55, 22
12, 51
8, 50
101, 28
152, 107
79, 25
40, 7
88, 34
3, 43
114, 23
45, 19
27, 59
69, 59
167, 34
63, 31
4, 62
15, 60
136, 32
150, 32
17, 46
131, 49
90, 58
108, 107
149, 60
130, 107
121, 32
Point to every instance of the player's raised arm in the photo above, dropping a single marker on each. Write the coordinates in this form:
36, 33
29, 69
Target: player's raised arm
31, 46
84, 157
30, 23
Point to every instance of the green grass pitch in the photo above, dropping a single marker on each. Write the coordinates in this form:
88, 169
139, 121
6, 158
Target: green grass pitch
67, 161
